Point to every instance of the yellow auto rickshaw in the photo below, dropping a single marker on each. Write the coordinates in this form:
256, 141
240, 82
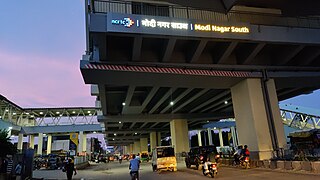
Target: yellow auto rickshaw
163, 158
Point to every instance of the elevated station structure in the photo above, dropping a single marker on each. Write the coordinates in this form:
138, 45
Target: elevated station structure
161, 66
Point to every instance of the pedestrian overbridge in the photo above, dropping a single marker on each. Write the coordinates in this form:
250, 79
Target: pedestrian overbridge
49, 122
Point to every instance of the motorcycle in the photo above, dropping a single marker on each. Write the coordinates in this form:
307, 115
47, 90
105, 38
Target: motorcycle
245, 162
212, 169
134, 175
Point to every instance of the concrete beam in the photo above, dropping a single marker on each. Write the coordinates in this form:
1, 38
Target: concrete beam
227, 52
169, 49
61, 129
148, 99
307, 60
182, 95
216, 104
136, 130
285, 58
136, 50
130, 93
190, 100
224, 93
155, 107
248, 59
103, 98
198, 50
157, 118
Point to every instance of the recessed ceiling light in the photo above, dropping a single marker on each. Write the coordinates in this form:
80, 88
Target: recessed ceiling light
41, 113
58, 112
119, 122
171, 103
225, 102
123, 104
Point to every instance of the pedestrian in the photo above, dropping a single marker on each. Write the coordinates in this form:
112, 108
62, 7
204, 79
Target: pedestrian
18, 171
9, 167
69, 167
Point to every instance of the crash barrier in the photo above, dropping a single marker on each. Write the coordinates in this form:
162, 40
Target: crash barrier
306, 166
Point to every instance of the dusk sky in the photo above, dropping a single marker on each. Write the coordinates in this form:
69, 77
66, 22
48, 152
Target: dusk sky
41, 44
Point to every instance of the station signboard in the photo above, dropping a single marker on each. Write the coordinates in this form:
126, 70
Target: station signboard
131, 23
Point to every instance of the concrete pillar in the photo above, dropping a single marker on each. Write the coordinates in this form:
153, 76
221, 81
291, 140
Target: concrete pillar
49, 143
276, 114
40, 143
131, 149
210, 136
20, 141
143, 144
136, 147
251, 117
234, 136
153, 140
220, 138
84, 143
31, 141
82, 146
158, 138
179, 136
126, 149
199, 138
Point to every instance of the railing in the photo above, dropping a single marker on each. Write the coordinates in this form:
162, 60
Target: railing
100, 6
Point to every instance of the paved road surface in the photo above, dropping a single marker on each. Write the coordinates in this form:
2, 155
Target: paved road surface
115, 171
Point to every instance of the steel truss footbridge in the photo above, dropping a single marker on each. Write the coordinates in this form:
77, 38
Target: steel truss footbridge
48, 120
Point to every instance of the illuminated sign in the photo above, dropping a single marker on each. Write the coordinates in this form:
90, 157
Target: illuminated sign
126, 22
164, 25
221, 29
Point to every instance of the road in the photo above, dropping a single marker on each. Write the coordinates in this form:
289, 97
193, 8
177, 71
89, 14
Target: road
115, 171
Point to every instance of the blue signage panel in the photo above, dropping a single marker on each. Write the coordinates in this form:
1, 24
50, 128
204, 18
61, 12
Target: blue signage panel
143, 24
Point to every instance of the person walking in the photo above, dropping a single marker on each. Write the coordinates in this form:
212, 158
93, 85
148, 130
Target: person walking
69, 168
18, 171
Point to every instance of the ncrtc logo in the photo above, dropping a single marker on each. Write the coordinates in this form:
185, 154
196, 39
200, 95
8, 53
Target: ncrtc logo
126, 22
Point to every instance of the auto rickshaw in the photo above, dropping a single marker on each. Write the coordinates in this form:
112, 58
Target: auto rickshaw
144, 156
163, 158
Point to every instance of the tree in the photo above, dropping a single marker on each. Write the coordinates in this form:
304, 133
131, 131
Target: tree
6, 146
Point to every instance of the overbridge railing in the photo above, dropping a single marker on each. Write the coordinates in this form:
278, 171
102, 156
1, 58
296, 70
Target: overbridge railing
300, 120
103, 6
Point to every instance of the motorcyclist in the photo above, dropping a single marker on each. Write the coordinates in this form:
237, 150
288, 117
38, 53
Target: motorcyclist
134, 166
244, 153
120, 159
237, 155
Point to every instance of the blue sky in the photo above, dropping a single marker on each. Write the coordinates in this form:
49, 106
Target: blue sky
41, 44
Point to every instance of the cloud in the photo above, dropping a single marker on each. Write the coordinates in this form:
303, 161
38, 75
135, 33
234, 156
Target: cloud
35, 81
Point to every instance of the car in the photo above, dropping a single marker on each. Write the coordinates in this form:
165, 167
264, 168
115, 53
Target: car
197, 155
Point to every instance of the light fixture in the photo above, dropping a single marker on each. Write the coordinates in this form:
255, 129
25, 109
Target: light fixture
32, 116
44, 134
10, 128
214, 128
94, 132
114, 134
58, 112
225, 102
119, 122
73, 112
171, 103
207, 121
90, 114
60, 115
7, 110
135, 133
41, 113
89, 111
27, 113
123, 104
0, 116
14, 113
113, 139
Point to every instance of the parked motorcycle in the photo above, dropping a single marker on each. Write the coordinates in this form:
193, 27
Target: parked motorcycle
245, 162
212, 169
